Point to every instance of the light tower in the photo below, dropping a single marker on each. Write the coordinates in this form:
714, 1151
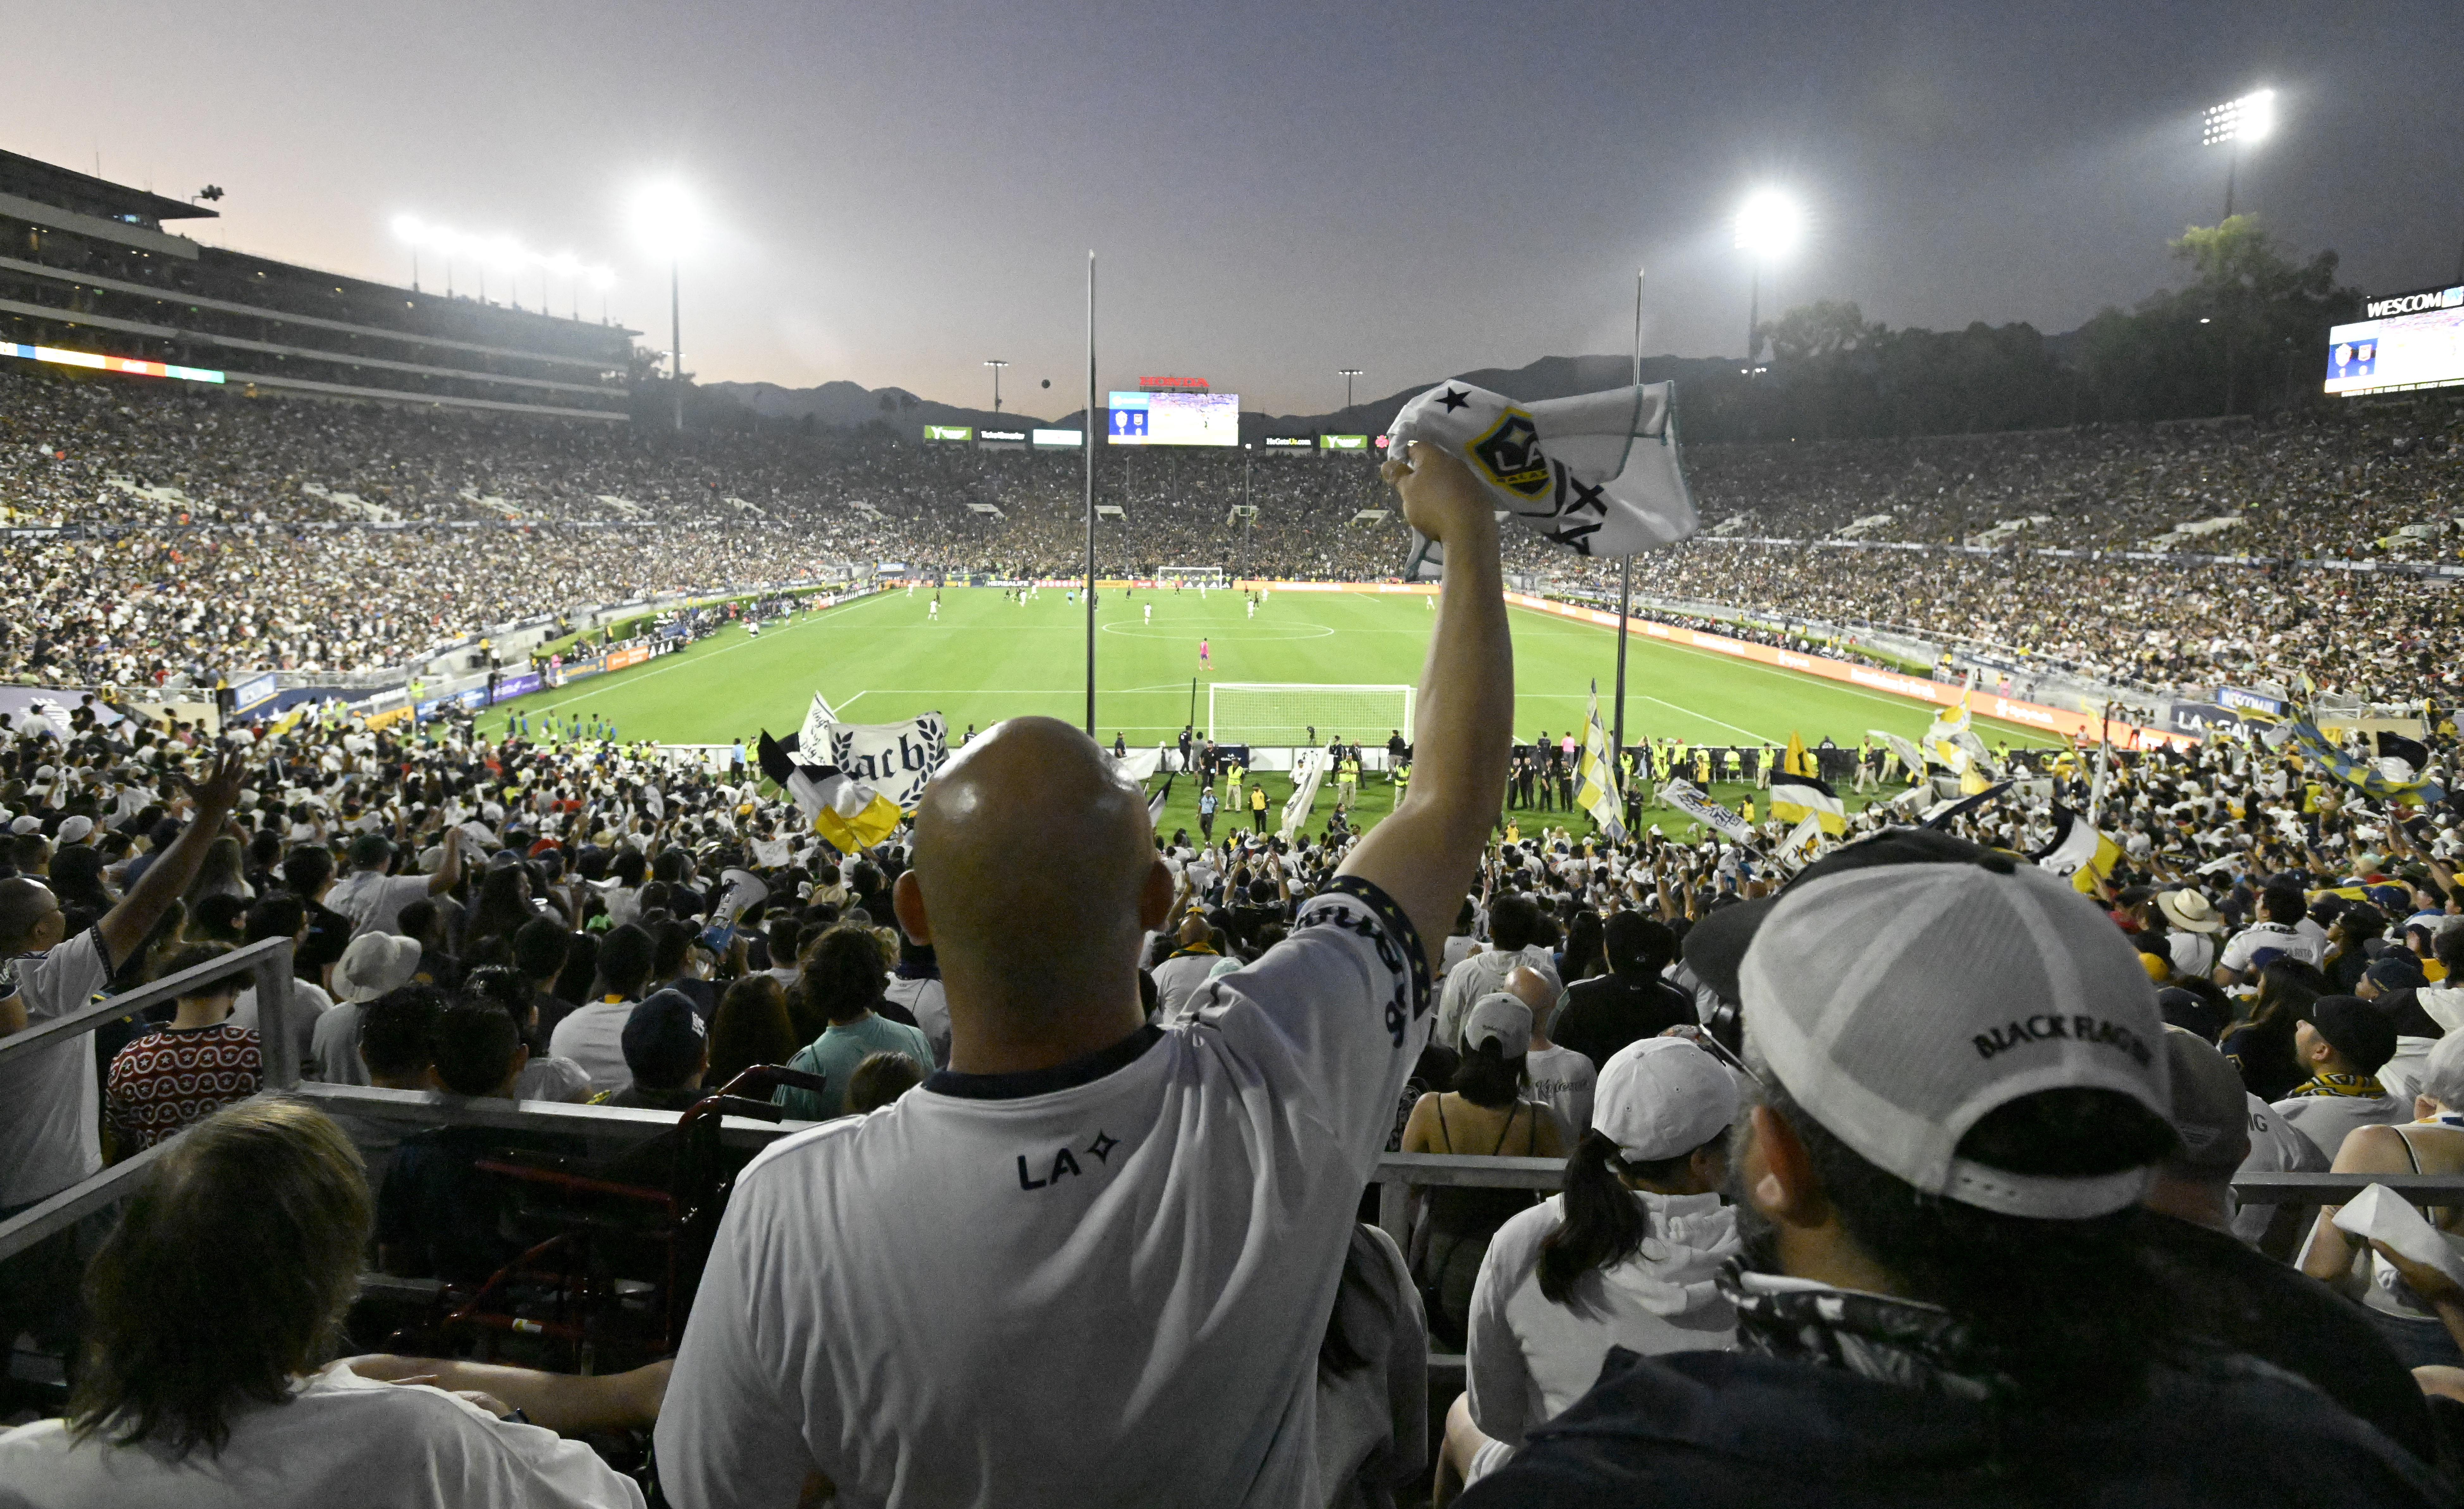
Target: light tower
1347, 373
2249, 119
996, 366
1768, 227
665, 221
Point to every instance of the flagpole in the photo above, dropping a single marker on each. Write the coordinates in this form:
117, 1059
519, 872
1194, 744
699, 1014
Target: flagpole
1088, 438
1625, 567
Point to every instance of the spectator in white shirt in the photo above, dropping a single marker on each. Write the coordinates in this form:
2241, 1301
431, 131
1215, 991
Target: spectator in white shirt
373, 898
50, 1111
592, 1035
215, 1301
1092, 1261
1514, 941
374, 964
2284, 928
1187, 967
1624, 1257
1561, 1077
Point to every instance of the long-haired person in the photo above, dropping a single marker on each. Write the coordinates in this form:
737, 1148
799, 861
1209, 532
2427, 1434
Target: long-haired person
1487, 1114
209, 1383
1625, 1257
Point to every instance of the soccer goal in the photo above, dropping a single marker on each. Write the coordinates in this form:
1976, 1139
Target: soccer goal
1293, 713
1194, 575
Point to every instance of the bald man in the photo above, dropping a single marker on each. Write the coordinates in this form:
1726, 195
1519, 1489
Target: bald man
1090, 1262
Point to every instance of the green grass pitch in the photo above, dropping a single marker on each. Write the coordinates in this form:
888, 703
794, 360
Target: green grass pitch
881, 659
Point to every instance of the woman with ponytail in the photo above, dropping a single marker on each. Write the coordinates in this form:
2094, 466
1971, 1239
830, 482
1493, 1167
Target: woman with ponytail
1624, 1257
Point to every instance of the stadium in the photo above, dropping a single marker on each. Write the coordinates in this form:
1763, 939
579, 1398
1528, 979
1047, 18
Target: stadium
610, 938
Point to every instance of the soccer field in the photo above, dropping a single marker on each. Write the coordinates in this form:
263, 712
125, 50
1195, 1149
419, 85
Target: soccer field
880, 658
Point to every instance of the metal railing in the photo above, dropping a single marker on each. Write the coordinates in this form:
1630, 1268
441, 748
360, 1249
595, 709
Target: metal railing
1396, 1177
268, 965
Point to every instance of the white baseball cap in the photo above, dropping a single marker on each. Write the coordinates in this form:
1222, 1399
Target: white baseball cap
73, 830
1661, 1098
1900, 1004
1501, 1016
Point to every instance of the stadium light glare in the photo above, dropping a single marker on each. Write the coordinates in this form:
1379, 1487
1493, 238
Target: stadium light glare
2248, 118
1768, 224
666, 221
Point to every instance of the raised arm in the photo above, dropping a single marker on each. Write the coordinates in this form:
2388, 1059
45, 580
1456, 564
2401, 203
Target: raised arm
1423, 855
125, 925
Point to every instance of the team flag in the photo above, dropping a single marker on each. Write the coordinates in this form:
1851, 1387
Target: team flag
1911, 758
1595, 791
1598, 473
1940, 816
1798, 762
1155, 804
1804, 843
1795, 798
814, 737
2079, 851
1681, 795
847, 813
2371, 778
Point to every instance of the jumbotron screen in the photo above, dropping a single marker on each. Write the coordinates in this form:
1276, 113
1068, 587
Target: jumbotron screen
2410, 341
1176, 419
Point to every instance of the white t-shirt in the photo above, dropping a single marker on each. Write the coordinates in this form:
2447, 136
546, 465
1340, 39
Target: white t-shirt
931, 1006
342, 1439
1563, 1079
1475, 977
374, 901
1528, 1356
1104, 1283
49, 1104
1177, 980
308, 1002
549, 1078
2275, 1147
593, 1037
2294, 941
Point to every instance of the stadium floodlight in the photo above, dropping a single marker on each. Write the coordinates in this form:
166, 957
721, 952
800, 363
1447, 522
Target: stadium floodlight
996, 366
1347, 373
407, 229
2251, 117
1768, 224
667, 221
1768, 227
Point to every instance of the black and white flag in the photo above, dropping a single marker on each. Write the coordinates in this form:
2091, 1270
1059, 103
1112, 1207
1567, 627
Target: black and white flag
1598, 473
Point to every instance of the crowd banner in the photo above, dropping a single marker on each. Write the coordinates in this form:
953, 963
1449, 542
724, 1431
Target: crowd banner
894, 758
1681, 795
2027, 714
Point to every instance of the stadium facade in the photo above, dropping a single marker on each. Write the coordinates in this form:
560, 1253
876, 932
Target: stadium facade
87, 269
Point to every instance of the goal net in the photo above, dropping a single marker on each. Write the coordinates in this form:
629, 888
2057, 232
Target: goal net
1194, 575
1290, 712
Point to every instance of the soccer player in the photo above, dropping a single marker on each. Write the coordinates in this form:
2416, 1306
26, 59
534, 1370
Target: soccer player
933, 609
1149, 618
1253, 607
1204, 662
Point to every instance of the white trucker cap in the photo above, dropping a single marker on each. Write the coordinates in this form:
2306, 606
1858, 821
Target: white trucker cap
1900, 1004
1661, 1098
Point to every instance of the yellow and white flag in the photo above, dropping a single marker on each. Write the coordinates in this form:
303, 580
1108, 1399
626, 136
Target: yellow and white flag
1801, 798
1596, 790
2079, 851
1803, 845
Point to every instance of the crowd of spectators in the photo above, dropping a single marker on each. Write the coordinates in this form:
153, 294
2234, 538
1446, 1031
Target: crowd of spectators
215, 535
1797, 1207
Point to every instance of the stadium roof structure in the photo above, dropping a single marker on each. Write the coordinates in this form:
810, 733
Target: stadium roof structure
48, 183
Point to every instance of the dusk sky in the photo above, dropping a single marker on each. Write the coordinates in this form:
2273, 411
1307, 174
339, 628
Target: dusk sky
896, 192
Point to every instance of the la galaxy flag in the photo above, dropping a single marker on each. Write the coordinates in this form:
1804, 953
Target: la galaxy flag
1912, 759
1803, 844
850, 814
2371, 778
1681, 795
1599, 474
1799, 798
2079, 851
1596, 774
